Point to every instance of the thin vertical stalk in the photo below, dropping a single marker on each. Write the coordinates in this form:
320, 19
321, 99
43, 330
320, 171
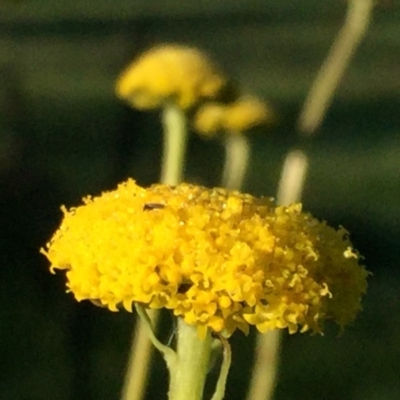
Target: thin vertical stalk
296, 164
265, 366
293, 176
237, 153
223, 375
139, 361
328, 78
175, 141
174, 151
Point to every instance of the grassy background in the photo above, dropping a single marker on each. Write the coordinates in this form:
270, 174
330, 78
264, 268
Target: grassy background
63, 135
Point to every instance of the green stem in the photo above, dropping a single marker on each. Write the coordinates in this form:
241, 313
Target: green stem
223, 375
175, 138
189, 374
169, 355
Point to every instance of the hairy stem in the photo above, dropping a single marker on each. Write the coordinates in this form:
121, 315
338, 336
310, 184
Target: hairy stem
193, 358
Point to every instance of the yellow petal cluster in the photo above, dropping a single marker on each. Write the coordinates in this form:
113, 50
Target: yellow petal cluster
217, 258
172, 72
236, 117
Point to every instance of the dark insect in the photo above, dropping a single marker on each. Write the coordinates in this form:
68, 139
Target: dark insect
153, 206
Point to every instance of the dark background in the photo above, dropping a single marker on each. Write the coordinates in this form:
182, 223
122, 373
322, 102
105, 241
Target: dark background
63, 135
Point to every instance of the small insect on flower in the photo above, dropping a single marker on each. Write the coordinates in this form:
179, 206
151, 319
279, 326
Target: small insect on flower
153, 206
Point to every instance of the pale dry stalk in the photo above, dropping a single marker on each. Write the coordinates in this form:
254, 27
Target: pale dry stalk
295, 166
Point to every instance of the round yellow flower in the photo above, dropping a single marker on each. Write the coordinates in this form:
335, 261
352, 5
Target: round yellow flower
173, 72
217, 258
235, 117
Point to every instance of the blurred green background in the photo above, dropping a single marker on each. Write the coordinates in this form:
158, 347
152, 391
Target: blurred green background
63, 134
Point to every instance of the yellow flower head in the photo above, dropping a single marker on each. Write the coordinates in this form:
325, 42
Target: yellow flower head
175, 73
236, 117
217, 258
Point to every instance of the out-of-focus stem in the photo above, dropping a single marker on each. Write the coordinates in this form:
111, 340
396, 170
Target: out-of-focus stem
263, 381
293, 176
321, 93
139, 362
296, 164
174, 150
265, 366
237, 153
175, 140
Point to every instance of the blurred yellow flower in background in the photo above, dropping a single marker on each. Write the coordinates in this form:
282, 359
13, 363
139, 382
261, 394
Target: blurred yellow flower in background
217, 258
235, 117
170, 72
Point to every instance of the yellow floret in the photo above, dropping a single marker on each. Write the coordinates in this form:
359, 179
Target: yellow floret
181, 74
217, 258
235, 117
